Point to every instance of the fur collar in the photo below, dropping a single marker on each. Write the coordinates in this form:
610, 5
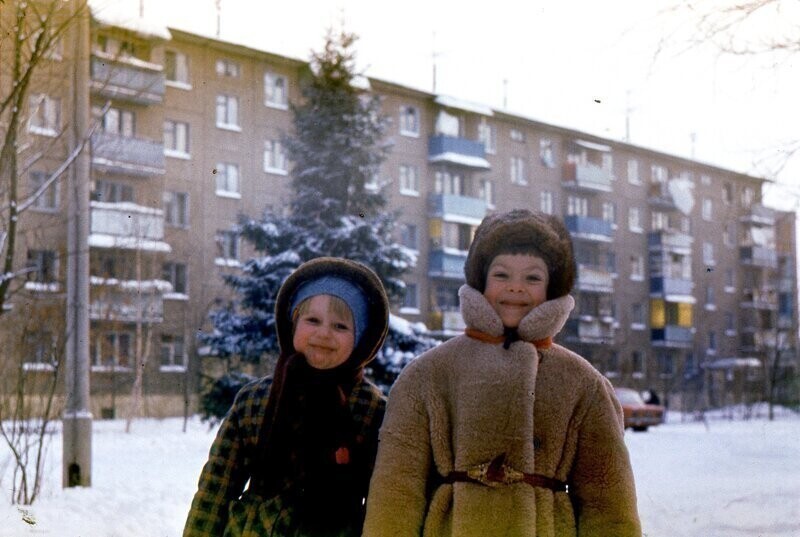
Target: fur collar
543, 321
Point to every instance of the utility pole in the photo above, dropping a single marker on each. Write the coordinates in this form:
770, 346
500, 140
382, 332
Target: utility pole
77, 419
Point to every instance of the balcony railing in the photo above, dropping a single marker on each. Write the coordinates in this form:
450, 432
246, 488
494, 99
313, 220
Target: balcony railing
593, 331
455, 150
587, 177
445, 264
672, 336
671, 287
130, 80
670, 240
585, 227
659, 196
594, 279
759, 215
130, 156
759, 256
126, 226
761, 299
756, 341
462, 209
129, 307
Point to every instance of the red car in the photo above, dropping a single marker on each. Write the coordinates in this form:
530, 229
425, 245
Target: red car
638, 414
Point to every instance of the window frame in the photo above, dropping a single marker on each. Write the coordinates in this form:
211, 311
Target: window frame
278, 100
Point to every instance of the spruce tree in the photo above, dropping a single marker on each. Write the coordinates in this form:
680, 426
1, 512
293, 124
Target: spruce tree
336, 150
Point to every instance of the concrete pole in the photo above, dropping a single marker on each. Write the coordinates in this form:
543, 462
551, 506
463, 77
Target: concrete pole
77, 419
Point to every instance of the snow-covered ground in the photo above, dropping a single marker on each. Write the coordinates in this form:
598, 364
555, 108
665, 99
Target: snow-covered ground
732, 478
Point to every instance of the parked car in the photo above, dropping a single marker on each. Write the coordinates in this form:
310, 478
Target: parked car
638, 414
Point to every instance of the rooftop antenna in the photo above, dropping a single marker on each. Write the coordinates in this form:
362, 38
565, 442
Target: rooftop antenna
141, 9
628, 111
693, 138
505, 94
434, 55
218, 4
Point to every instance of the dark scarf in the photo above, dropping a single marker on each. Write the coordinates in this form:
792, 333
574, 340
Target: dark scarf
307, 449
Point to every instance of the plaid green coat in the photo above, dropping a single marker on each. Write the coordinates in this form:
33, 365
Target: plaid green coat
220, 496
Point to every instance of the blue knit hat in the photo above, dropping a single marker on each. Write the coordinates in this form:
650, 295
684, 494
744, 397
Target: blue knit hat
351, 293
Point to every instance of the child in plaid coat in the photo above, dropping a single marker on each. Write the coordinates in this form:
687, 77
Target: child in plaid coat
303, 441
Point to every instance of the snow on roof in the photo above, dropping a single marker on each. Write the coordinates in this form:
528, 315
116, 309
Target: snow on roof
593, 145
361, 82
127, 207
101, 240
460, 104
162, 286
464, 160
733, 363
141, 26
129, 60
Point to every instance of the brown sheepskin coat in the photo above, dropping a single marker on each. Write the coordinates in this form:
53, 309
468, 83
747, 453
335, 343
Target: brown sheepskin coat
467, 401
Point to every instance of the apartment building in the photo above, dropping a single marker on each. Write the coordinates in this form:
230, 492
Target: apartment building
686, 282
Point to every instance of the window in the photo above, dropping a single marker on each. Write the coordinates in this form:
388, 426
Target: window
112, 350
408, 236
708, 209
227, 112
705, 180
634, 220
658, 174
173, 354
612, 367
112, 192
727, 193
227, 245
175, 274
611, 262
637, 316
637, 267
712, 342
608, 163
176, 138
729, 237
43, 265
609, 212
409, 180
517, 135
748, 196
446, 182
45, 114
409, 121
276, 91
659, 220
518, 171
729, 281
708, 254
41, 351
117, 121
546, 202
176, 68
227, 68
577, 206
633, 172
730, 329
227, 179
487, 134
666, 364
176, 208
48, 200
710, 300
456, 236
546, 154
410, 299
486, 192
637, 363
275, 160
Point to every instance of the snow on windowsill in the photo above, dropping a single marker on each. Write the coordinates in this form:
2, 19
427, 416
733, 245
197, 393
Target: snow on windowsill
730, 333
411, 193
228, 194
101, 240
410, 134
43, 131
638, 326
176, 153
229, 127
276, 106
276, 171
172, 369
37, 366
176, 296
464, 160
128, 60
178, 85
110, 369
42, 287
225, 262
162, 286
730, 289
637, 278
711, 307
633, 229
410, 311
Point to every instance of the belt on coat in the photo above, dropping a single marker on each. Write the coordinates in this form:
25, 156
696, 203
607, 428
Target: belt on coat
497, 473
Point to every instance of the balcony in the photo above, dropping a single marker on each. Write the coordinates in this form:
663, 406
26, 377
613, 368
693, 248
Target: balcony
759, 215
673, 290
758, 256
126, 155
594, 279
591, 332
784, 321
670, 241
127, 226
672, 336
756, 341
593, 229
587, 177
447, 264
126, 306
459, 209
759, 299
459, 151
660, 197
127, 79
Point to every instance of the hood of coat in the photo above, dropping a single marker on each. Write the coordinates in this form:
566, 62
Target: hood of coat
545, 320
356, 273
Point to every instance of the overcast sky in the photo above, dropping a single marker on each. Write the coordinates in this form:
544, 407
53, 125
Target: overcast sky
550, 60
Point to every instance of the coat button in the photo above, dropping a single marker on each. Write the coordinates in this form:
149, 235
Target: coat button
537, 443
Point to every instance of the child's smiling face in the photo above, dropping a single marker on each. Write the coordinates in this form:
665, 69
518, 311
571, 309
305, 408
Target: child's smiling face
323, 336
515, 284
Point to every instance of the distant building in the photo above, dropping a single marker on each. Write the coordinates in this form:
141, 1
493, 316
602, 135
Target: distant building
686, 282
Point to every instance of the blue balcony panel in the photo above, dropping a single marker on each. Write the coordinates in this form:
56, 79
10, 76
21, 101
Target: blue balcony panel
459, 151
759, 256
672, 336
585, 227
587, 177
444, 264
461, 209
131, 80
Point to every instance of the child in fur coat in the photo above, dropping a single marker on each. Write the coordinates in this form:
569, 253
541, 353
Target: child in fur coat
305, 438
500, 431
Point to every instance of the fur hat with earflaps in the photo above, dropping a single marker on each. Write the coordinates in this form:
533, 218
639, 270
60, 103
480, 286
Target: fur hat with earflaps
523, 232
